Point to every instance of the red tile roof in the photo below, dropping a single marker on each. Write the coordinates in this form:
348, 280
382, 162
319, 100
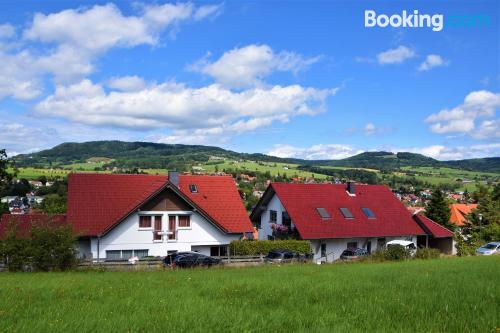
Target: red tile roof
432, 228
98, 202
26, 221
458, 212
302, 200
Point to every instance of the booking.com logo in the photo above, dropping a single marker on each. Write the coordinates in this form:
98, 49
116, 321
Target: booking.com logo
416, 20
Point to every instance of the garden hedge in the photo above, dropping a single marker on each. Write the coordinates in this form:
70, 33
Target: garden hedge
257, 247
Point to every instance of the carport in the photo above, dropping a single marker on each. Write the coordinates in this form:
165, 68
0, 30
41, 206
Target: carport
437, 236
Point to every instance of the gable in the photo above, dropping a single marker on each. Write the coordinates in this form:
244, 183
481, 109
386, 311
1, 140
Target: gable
98, 202
166, 200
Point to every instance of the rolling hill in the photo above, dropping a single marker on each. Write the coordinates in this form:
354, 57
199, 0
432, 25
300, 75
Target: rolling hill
158, 155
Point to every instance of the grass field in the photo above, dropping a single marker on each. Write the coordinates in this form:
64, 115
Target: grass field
273, 168
445, 295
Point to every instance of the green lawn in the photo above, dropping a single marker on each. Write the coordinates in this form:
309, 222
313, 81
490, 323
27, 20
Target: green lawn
445, 295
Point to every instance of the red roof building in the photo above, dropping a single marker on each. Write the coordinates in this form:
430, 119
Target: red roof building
118, 216
335, 216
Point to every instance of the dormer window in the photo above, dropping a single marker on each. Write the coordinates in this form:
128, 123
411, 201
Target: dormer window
368, 212
347, 213
193, 188
323, 213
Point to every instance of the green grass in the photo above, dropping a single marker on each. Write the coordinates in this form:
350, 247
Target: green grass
444, 295
273, 168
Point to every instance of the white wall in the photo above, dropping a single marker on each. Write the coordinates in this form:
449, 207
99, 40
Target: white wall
265, 223
128, 236
335, 246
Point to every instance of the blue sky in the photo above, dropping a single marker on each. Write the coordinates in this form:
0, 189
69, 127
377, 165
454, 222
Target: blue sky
294, 79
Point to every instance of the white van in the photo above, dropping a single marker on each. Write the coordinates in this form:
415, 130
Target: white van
410, 246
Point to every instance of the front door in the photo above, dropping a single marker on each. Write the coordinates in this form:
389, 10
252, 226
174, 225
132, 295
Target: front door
369, 246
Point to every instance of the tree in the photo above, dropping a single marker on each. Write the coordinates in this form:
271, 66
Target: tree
46, 245
438, 210
54, 204
5, 177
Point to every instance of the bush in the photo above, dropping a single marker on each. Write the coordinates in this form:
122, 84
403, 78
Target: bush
427, 253
257, 247
396, 252
44, 246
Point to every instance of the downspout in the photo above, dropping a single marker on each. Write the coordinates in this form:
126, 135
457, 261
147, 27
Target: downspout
98, 248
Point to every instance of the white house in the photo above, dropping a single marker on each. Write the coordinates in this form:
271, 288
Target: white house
121, 216
335, 217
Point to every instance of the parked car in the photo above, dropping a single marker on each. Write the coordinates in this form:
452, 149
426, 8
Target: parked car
280, 256
489, 249
194, 260
169, 259
353, 254
409, 246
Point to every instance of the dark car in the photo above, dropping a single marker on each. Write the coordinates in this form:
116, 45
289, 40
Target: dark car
194, 259
169, 259
280, 256
353, 254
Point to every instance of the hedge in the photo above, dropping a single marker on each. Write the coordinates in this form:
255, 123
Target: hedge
257, 247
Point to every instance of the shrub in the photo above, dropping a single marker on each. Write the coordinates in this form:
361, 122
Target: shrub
427, 253
44, 246
396, 252
257, 247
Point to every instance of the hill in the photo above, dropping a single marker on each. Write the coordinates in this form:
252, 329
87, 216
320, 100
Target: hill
383, 160
178, 156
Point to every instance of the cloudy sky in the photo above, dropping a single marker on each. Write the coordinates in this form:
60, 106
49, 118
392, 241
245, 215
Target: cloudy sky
297, 79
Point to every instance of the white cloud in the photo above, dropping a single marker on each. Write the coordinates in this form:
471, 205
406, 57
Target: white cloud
340, 151
247, 66
127, 83
206, 112
432, 61
69, 42
463, 118
395, 56
315, 152
7, 31
443, 153
18, 138
370, 129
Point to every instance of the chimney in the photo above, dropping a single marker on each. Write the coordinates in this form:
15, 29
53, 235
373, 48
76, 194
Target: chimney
351, 188
173, 178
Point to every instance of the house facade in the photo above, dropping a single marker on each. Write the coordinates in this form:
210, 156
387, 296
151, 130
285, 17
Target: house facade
118, 216
335, 217
122, 216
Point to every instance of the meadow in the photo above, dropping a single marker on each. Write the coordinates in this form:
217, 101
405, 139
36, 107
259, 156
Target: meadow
452, 295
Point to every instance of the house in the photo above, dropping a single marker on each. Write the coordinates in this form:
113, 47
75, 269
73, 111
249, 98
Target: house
335, 217
36, 183
459, 211
118, 216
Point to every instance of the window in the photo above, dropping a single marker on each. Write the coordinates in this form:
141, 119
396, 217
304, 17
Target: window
157, 231
144, 221
323, 213
347, 213
368, 212
285, 219
323, 250
218, 251
171, 227
193, 188
184, 221
352, 245
273, 216
125, 254
113, 255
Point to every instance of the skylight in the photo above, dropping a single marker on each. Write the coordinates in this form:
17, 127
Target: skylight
193, 188
368, 212
323, 213
347, 213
